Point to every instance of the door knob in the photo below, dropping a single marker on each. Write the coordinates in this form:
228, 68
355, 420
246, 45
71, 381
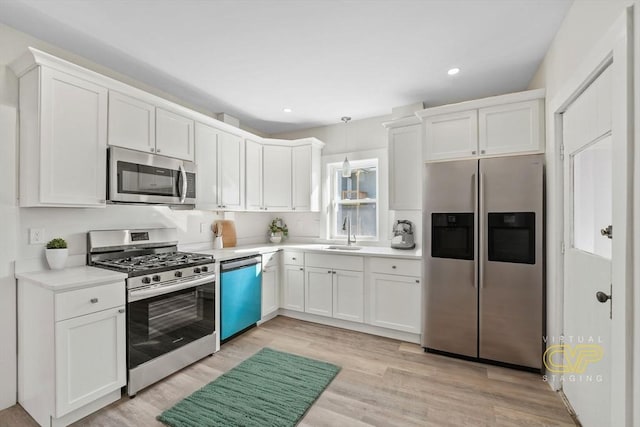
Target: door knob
607, 232
602, 297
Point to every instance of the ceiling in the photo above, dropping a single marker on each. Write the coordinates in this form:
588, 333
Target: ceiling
324, 59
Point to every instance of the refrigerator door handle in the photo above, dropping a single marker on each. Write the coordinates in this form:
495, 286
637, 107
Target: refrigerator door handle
474, 187
481, 228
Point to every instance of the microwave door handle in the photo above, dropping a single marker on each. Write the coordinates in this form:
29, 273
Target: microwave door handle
182, 190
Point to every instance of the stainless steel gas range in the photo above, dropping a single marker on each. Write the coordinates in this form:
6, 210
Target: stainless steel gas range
170, 300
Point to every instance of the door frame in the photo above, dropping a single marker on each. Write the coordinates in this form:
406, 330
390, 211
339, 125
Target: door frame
616, 48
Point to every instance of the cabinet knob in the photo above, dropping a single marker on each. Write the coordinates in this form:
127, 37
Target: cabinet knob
473, 152
93, 300
482, 151
329, 271
264, 271
301, 268
293, 258
121, 310
333, 272
293, 209
158, 150
393, 266
417, 281
153, 150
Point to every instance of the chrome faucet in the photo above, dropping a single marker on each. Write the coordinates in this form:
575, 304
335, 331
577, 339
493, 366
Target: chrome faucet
346, 225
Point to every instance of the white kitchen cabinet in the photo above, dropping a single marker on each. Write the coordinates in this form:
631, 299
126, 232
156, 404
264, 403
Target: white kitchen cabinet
74, 362
318, 293
253, 176
63, 139
306, 178
293, 288
501, 125
511, 128
230, 171
220, 162
451, 136
396, 302
270, 283
276, 177
174, 135
348, 295
405, 168
132, 123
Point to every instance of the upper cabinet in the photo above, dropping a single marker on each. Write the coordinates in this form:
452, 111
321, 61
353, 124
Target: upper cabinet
305, 185
220, 180
132, 123
174, 135
276, 177
137, 125
501, 125
405, 165
63, 139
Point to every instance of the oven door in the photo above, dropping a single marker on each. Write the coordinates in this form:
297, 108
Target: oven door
164, 318
136, 177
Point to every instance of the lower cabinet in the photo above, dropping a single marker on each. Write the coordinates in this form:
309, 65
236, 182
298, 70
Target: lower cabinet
396, 302
293, 288
74, 362
335, 293
270, 283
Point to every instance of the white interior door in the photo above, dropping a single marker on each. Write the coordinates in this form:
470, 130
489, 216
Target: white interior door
585, 359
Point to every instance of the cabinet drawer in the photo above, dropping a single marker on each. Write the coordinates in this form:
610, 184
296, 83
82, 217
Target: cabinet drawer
402, 267
89, 300
336, 262
293, 258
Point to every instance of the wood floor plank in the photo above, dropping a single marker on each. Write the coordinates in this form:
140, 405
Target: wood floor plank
383, 382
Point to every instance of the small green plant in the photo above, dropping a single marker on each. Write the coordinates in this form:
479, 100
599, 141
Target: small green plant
277, 225
57, 243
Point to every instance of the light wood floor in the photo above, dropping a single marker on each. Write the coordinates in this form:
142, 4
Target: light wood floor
383, 382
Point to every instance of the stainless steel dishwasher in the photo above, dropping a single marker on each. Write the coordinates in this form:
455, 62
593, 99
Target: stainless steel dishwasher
240, 295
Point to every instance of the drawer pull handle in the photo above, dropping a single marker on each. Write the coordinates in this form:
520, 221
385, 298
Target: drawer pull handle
329, 271
393, 266
333, 272
417, 281
94, 300
301, 268
121, 310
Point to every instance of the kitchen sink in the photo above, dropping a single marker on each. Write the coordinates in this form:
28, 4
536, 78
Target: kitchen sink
344, 247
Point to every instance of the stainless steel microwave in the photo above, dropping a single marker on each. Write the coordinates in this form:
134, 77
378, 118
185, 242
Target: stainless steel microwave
142, 178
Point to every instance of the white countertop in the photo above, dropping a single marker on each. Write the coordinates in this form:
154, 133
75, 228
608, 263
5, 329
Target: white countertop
71, 278
381, 251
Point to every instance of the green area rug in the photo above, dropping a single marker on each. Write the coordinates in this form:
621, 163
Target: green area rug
271, 388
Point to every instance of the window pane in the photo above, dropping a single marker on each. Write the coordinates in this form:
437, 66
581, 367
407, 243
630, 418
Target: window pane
592, 210
363, 220
361, 185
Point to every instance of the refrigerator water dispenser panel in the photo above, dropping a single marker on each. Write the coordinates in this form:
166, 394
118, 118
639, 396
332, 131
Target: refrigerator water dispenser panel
452, 235
512, 237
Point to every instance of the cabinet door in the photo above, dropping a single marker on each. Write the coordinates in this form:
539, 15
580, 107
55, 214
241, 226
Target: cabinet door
301, 168
174, 135
293, 292
451, 136
318, 297
230, 171
73, 141
90, 358
276, 179
206, 160
131, 123
270, 294
511, 128
396, 302
253, 168
348, 295
405, 168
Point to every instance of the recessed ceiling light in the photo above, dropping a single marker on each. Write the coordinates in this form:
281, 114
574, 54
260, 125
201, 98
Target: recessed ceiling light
453, 71
287, 110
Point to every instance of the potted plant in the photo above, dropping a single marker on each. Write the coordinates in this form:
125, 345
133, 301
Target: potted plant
57, 253
277, 229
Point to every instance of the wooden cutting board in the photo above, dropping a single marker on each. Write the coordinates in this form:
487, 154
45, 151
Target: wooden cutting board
228, 227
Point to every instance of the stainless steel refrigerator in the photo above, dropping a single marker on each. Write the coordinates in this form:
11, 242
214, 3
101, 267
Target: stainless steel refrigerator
483, 259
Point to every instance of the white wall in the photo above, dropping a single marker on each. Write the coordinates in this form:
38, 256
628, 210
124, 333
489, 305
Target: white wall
585, 23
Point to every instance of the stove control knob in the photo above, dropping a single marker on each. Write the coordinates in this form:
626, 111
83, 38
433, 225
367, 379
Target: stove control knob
178, 274
205, 269
197, 270
146, 280
156, 278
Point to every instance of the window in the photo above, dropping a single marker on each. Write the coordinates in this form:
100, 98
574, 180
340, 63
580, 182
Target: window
355, 197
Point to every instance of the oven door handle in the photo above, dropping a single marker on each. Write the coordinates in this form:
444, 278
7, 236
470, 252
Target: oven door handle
140, 294
182, 190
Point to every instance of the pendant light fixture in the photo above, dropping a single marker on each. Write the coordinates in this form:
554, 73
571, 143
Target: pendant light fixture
346, 167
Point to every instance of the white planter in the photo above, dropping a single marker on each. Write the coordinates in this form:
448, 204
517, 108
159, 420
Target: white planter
275, 237
57, 258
